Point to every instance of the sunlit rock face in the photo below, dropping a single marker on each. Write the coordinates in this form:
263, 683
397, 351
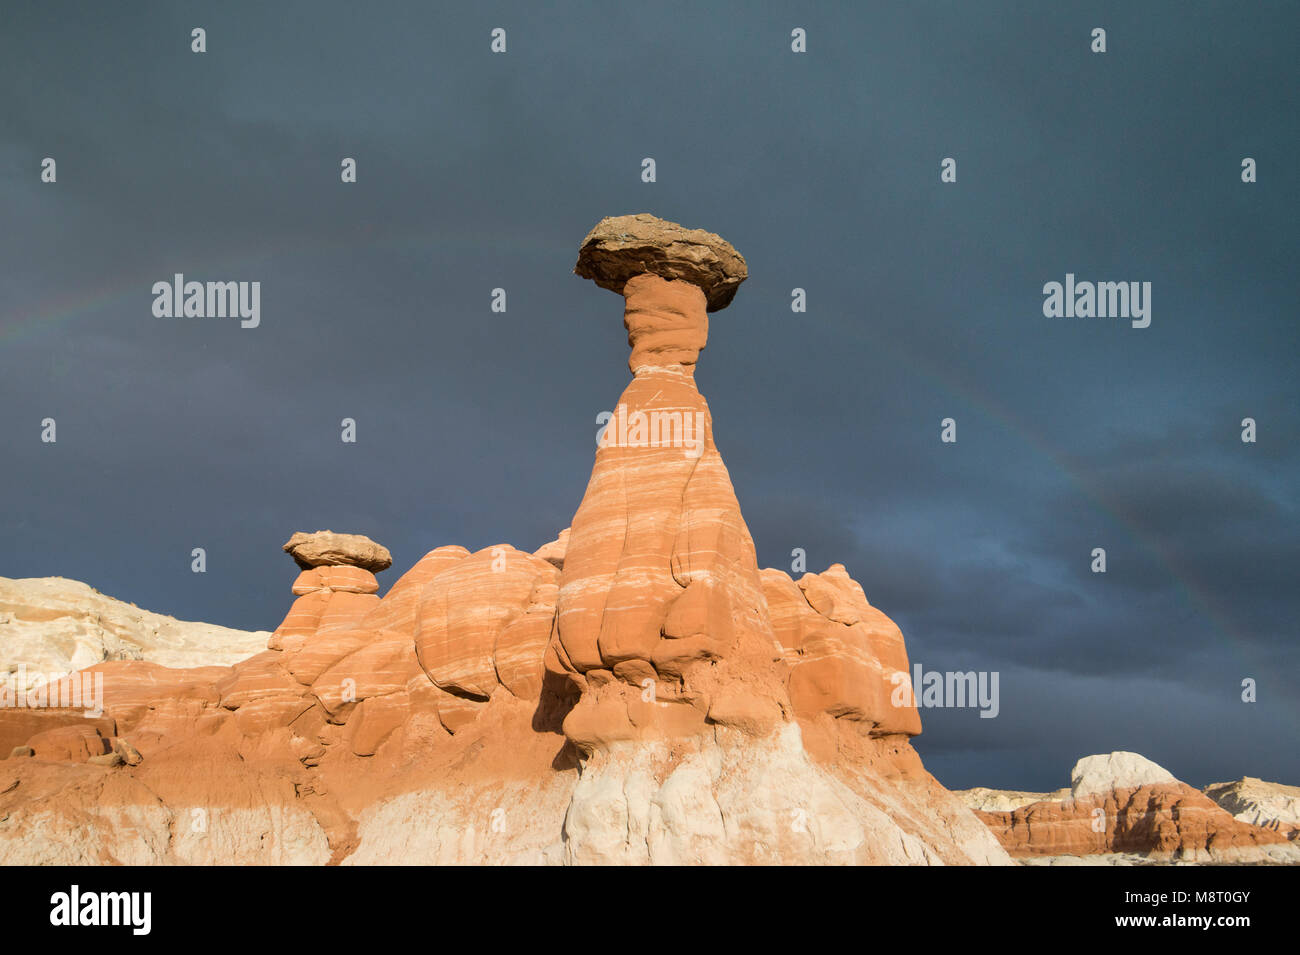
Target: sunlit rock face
1124, 809
635, 691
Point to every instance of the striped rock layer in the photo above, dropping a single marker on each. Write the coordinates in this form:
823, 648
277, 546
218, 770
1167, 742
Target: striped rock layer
1122, 809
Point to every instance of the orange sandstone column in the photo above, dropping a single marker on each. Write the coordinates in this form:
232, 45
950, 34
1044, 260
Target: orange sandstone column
660, 586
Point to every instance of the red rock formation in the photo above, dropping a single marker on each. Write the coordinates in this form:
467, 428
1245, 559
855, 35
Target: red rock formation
846, 658
660, 604
352, 580
336, 588
635, 691
1158, 820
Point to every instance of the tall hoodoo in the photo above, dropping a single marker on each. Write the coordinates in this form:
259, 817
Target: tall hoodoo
662, 622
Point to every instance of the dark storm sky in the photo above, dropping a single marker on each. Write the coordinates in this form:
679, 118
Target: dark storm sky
924, 301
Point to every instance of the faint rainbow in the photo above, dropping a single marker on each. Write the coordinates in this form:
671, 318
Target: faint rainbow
1193, 591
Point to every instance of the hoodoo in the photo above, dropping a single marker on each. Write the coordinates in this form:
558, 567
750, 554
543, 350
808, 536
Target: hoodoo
636, 691
661, 608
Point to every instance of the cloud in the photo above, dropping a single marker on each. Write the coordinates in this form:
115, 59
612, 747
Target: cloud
924, 302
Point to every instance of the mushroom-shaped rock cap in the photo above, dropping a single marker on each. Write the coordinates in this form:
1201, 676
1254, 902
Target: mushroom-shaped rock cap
327, 549
620, 247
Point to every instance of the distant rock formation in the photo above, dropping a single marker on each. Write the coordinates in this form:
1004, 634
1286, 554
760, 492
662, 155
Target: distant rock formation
1107, 772
636, 691
1005, 800
1123, 809
1258, 803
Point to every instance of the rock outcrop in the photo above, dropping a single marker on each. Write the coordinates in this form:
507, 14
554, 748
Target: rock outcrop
1260, 803
327, 549
51, 626
1122, 808
635, 691
621, 247
1005, 800
1107, 772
